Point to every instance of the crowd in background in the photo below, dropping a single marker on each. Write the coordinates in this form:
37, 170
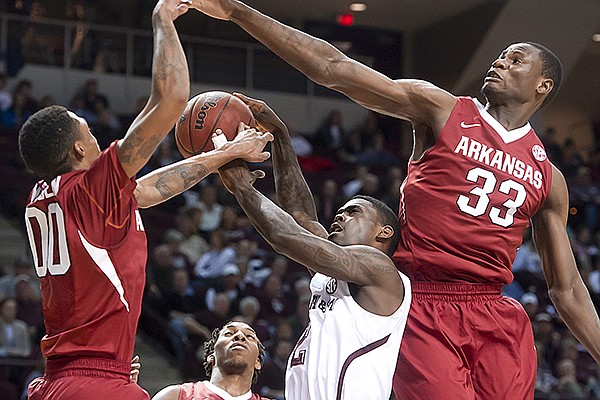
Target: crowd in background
208, 265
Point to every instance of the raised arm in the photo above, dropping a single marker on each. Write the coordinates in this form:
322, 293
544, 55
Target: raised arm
293, 193
169, 93
413, 100
364, 266
565, 285
171, 180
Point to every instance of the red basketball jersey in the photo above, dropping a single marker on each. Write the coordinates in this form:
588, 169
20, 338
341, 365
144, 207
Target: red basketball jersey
89, 250
207, 391
465, 204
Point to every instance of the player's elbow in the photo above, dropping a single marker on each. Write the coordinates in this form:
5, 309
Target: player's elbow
332, 70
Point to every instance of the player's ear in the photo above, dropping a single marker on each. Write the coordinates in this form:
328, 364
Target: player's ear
78, 150
546, 85
258, 364
211, 359
385, 232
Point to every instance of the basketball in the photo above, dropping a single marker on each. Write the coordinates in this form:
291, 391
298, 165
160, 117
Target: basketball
203, 115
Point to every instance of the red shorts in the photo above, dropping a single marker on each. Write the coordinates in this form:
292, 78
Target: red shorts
464, 342
85, 379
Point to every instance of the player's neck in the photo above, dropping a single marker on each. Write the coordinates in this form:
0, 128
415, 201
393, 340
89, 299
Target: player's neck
235, 385
511, 116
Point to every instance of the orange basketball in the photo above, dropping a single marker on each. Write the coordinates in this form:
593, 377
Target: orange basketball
203, 115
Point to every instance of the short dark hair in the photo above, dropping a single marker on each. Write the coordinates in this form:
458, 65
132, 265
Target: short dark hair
551, 68
45, 141
386, 217
209, 349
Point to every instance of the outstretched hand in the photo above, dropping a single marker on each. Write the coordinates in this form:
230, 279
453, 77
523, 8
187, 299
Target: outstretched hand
248, 144
172, 8
235, 175
219, 9
265, 117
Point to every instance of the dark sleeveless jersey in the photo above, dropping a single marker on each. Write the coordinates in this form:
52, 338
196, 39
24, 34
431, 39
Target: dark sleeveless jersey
89, 250
465, 204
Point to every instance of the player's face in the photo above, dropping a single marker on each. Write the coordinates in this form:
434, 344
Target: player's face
88, 141
355, 223
236, 349
515, 74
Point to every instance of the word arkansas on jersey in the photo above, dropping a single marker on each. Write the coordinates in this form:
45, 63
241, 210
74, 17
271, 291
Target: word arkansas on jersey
499, 160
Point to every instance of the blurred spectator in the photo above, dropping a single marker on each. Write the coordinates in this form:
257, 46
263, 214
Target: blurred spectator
330, 136
211, 210
353, 146
179, 305
159, 273
299, 320
164, 155
8, 282
584, 195
527, 266
192, 245
230, 225
90, 94
140, 103
376, 153
545, 381
212, 263
549, 339
552, 146
393, 181
301, 145
174, 239
77, 105
5, 96
17, 113
14, 334
593, 385
328, 201
281, 268
230, 283
593, 281
25, 87
250, 260
571, 159
585, 250
46, 101
302, 286
29, 306
530, 304
106, 126
370, 186
273, 302
568, 386
354, 185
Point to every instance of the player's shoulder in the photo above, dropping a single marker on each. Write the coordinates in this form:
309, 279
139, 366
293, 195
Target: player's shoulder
169, 393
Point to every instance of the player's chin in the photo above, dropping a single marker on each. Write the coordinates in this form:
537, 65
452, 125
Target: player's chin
336, 238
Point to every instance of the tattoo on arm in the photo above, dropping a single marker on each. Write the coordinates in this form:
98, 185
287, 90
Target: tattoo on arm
172, 182
360, 265
169, 181
293, 192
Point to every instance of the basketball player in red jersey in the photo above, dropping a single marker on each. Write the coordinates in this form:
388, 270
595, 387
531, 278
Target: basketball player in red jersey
85, 231
233, 359
477, 177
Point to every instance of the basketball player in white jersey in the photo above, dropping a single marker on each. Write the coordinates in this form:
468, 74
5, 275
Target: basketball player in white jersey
359, 303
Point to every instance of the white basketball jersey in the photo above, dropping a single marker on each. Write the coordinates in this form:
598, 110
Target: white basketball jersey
346, 352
